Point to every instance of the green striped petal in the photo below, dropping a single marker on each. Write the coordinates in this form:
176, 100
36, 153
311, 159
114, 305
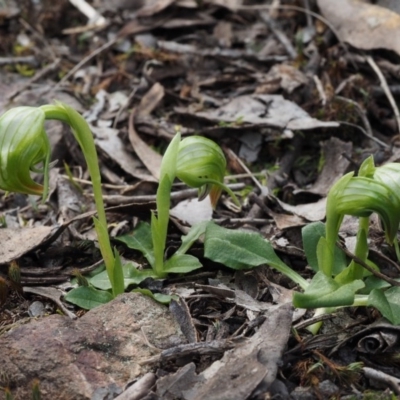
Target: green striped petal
201, 164
24, 147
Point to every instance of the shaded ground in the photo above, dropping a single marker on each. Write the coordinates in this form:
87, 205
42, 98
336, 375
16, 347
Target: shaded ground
293, 109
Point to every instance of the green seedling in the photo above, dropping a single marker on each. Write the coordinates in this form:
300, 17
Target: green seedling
200, 163
25, 148
375, 189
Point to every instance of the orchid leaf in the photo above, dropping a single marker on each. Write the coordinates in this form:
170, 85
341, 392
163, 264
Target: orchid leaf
196, 231
132, 276
181, 263
311, 234
387, 302
88, 297
243, 250
373, 282
323, 291
140, 239
159, 297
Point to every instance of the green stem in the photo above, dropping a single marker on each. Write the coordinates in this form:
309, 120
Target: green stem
361, 250
360, 300
314, 328
396, 248
84, 137
159, 223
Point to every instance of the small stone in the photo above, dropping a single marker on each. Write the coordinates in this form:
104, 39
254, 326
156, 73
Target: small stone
303, 393
89, 358
36, 309
327, 389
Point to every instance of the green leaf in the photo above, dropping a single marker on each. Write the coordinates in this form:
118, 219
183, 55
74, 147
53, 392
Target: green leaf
160, 297
373, 282
243, 250
168, 163
196, 231
312, 244
387, 302
132, 276
118, 275
323, 291
311, 234
181, 263
140, 239
88, 297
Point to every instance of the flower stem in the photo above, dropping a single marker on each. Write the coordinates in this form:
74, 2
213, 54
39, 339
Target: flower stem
84, 137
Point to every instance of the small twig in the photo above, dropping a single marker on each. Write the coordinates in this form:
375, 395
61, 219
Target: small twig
362, 114
39, 75
125, 106
279, 34
31, 60
308, 15
39, 37
92, 15
320, 89
85, 60
140, 389
385, 88
313, 320
387, 259
243, 165
386, 379
373, 138
176, 196
358, 260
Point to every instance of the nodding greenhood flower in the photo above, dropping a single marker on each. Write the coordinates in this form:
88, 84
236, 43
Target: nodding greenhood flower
362, 196
375, 189
23, 146
201, 164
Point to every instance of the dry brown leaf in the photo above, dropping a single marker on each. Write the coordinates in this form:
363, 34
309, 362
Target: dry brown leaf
17, 242
289, 78
365, 26
107, 139
231, 4
150, 158
335, 164
264, 109
153, 7
151, 100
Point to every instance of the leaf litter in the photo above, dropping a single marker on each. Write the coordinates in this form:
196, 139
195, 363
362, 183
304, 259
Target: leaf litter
276, 84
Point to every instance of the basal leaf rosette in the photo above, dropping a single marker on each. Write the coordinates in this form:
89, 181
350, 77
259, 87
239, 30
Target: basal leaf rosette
24, 147
201, 164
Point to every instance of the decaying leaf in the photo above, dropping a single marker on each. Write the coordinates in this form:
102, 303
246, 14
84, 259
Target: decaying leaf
365, 26
264, 110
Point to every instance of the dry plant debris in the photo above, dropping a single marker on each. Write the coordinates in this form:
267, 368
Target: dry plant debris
297, 93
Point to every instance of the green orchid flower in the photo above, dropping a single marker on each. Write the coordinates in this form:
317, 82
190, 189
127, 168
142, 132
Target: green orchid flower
202, 164
25, 147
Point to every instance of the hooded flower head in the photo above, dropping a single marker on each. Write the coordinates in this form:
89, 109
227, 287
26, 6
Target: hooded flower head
24, 147
201, 164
